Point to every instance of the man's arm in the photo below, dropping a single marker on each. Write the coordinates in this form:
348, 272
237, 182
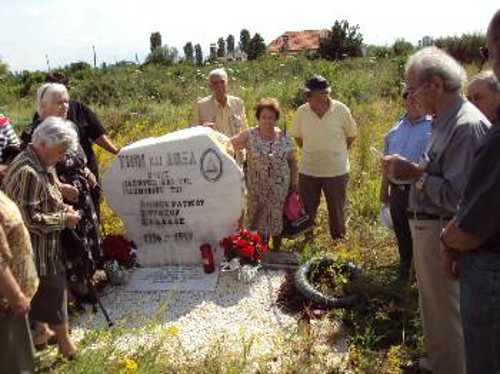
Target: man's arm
349, 141
105, 143
299, 142
455, 238
384, 190
9, 288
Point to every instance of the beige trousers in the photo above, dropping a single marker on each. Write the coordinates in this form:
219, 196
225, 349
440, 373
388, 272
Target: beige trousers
439, 300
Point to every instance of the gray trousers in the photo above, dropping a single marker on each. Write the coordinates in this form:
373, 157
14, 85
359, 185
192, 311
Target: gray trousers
439, 299
334, 189
16, 353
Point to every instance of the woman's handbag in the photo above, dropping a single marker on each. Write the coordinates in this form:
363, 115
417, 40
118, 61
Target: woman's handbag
295, 221
291, 209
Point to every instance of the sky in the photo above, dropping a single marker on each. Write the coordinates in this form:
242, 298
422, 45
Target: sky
65, 31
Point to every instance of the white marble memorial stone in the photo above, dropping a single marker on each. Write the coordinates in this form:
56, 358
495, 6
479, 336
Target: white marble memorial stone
176, 192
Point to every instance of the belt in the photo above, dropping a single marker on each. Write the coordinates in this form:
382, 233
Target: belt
426, 216
401, 187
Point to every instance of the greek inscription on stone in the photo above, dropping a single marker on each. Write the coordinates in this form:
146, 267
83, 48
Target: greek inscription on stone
142, 187
132, 161
181, 158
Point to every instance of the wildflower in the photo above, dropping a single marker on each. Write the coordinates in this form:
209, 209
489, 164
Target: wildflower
130, 365
173, 330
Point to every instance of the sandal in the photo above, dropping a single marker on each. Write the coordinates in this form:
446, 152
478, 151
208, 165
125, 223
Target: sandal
42, 346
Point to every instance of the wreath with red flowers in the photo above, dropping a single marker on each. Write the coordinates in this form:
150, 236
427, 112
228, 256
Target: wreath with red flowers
245, 245
117, 248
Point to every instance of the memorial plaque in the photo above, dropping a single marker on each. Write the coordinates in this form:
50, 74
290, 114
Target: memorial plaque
176, 192
172, 278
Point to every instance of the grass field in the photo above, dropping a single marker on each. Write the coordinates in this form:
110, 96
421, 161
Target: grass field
135, 103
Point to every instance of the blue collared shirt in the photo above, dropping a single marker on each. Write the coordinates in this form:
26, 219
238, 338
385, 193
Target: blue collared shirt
408, 139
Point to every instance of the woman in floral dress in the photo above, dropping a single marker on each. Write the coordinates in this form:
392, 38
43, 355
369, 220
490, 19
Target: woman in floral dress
271, 171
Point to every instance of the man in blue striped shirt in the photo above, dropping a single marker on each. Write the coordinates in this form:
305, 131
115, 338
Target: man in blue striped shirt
407, 138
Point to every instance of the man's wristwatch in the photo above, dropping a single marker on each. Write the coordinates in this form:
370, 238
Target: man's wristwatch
420, 183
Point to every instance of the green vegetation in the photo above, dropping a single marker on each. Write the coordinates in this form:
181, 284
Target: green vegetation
136, 102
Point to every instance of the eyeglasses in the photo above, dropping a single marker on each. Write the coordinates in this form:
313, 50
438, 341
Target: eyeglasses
405, 95
416, 91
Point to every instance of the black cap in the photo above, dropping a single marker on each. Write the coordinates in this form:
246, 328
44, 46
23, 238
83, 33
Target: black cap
316, 83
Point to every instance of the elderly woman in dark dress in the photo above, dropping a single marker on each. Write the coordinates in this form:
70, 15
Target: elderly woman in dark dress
77, 184
31, 183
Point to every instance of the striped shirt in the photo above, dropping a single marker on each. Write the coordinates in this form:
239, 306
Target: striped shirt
33, 188
8, 137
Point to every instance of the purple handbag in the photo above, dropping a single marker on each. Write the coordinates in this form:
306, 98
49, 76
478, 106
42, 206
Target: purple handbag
292, 208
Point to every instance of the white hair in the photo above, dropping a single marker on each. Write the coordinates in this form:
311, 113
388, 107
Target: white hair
431, 61
45, 93
54, 131
219, 72
489, 78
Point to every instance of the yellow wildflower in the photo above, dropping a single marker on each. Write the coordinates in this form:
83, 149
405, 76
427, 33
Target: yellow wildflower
130, 365
172, 330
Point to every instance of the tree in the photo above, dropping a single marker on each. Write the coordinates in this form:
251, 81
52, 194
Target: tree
230, 44
163, 55
4, 68
198, 53
189, 52
154, 41
342, 41
401, 47
221, 47
213, 52
256, 47
464, 48
244, 40
426, 41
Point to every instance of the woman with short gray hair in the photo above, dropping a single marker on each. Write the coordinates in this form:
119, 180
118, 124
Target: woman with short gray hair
483, 91
31, 183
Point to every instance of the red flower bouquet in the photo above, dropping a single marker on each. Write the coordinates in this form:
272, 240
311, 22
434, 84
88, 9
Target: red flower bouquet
244, 245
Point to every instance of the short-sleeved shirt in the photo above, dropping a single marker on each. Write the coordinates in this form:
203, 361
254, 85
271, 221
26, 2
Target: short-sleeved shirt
448, 158
479, 208
15, 247
229, 119
88, 126
407, 138
324, 140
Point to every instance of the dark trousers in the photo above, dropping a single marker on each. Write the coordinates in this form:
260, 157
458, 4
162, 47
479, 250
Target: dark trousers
334, 189
16, 353
480, 309
398, 208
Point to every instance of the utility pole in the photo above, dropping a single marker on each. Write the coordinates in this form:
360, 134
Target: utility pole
48, 62
95, 58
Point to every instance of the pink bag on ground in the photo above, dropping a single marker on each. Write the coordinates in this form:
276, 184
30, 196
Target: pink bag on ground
291, 210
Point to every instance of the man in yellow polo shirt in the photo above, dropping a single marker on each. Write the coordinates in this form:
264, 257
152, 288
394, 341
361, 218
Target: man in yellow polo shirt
324, 129
222, 112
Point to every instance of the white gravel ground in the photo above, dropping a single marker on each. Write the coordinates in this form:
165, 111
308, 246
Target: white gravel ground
235, 318
234, 313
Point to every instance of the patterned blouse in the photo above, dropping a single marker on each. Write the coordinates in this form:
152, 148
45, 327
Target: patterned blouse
33, 187
8, 137
15, 247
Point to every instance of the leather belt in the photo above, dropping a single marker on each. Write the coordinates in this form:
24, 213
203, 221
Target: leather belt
426, 216
401, 187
